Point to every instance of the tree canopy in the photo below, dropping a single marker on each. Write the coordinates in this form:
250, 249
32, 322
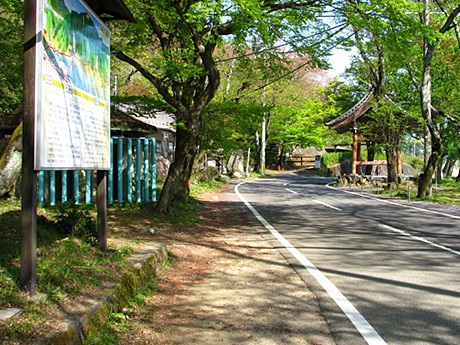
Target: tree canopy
177, 45
11, 63
227, 63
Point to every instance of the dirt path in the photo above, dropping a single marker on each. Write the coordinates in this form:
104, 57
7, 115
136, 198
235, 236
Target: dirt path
228, 286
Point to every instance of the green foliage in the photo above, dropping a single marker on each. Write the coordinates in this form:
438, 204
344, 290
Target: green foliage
301, 124
205, 181
119, 326
9, 292
66, 267
414, 162
141, 104
340, 96
177, 46
106, 335
11, 51
75, 221
330, 159
230, 126
447, 192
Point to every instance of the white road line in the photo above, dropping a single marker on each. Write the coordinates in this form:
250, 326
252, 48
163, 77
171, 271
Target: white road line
367, 331
421, 239
317, 201
390, 202
327, 205
290, 190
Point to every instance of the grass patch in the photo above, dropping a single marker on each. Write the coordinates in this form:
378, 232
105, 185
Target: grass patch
119, 328
205, 181
445, 192
70, 267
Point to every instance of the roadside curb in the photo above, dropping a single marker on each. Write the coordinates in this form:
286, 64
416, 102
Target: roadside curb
147, 261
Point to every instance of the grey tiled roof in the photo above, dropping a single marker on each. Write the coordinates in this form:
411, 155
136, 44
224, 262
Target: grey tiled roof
352, 110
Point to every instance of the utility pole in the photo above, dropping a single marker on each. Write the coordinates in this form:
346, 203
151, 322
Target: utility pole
262, 150
264, 139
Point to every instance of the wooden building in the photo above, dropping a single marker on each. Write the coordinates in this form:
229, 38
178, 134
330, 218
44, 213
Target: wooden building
351, 121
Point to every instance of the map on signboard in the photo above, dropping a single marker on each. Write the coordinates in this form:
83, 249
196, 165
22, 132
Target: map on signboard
73, 126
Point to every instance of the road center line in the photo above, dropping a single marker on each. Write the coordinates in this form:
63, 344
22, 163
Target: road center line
327, 205
317, 201
367, 331
290, 190
421, 239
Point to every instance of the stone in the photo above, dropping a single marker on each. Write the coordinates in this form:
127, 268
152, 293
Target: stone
10, 313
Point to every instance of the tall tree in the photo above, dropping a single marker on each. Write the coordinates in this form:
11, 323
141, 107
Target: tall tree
429, 113
173, 45
380, 31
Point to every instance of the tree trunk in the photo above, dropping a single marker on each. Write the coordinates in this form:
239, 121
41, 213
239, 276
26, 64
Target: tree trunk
370, 156
426, 102
257, 163
434, 160
392, 163
11, 163
448, 168
189, 98
177, 184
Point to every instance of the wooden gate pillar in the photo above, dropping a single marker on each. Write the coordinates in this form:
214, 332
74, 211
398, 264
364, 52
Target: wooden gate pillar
399, 158
354, 161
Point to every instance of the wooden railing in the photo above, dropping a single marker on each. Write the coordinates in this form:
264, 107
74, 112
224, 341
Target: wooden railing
307, 162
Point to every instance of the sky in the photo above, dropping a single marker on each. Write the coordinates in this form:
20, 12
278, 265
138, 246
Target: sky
340, 59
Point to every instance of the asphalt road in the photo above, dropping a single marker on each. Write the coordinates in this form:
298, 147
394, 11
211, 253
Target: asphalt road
384, 273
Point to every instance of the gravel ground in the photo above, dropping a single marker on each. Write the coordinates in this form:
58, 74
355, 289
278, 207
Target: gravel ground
228, 286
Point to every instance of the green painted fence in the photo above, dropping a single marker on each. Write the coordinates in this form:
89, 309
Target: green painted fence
131, 178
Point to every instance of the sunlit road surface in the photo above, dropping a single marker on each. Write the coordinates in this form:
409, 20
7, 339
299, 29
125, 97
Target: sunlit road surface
384, 273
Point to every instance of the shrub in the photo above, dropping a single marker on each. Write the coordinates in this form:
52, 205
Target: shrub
73, 221
416, 163
333, 158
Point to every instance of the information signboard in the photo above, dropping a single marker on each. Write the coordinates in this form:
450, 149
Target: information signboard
72, 122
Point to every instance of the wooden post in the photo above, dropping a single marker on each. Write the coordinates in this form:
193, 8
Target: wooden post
354, 161
28, 276
102, 209
400, 166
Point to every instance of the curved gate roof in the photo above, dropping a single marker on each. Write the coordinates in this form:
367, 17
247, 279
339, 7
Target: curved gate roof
346, 121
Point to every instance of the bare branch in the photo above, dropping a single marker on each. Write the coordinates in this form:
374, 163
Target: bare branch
450, 22
159, 85
273, 7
